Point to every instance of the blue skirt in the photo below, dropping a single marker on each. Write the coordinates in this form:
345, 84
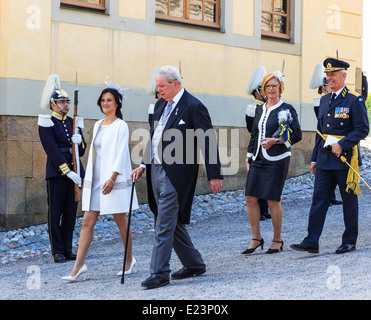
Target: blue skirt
266, 178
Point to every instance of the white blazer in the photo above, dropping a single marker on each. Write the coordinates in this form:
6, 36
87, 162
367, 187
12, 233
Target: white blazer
115, 157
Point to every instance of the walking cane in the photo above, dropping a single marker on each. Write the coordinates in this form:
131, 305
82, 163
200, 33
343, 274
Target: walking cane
128, 229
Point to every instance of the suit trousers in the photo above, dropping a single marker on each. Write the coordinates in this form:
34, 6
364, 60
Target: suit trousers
61, 214
324, 185
170, 232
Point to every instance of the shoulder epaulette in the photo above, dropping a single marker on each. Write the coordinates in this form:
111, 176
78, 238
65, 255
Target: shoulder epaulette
250, 110
80, 122
45, 121
151, 108
354, 93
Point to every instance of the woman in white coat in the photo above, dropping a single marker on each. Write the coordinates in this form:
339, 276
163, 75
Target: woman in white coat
107, 184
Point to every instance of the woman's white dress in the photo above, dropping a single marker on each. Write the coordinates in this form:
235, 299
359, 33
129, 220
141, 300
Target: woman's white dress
95, 188
109, 152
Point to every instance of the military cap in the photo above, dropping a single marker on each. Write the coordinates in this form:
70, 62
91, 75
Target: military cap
333, 65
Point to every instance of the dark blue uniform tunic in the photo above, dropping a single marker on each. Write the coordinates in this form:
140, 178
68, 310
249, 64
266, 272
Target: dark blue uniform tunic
55, 135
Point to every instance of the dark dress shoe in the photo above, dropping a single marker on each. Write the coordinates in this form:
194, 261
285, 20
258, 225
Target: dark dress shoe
266, 215
346, 248
336, 202
59, 258
305, 247
186, 272
70, 256
154, 281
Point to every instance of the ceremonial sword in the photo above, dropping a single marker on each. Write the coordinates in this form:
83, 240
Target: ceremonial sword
343, 159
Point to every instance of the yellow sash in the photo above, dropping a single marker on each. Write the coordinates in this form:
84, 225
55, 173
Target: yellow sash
352, 178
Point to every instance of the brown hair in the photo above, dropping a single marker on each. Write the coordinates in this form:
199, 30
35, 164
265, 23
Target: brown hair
117, 98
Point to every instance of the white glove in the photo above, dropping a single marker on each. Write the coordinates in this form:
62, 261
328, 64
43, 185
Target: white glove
76, 138
74, 177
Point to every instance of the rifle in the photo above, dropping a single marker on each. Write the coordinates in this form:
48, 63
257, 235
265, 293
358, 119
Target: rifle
75, 147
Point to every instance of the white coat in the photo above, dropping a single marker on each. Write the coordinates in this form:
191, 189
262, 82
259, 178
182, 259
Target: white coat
115, 157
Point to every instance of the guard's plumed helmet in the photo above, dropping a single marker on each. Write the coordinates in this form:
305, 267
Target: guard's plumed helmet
59, 95
152, 86
318, 77
52, 92
256, 80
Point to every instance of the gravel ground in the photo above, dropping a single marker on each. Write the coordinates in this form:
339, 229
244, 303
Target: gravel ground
230, 275
220, 235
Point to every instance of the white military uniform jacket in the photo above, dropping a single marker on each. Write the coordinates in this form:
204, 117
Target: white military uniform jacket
115, 157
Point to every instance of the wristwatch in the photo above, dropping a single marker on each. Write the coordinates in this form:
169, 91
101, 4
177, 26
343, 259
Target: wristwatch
277, 141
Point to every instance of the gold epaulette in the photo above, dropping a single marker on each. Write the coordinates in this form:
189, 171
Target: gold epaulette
354, 93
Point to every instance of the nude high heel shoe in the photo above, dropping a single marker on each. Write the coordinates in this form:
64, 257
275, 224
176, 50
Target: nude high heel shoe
131, 269
75, 278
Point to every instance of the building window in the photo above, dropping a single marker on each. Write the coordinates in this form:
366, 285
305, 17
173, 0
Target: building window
197, 12
276, 18
89, 4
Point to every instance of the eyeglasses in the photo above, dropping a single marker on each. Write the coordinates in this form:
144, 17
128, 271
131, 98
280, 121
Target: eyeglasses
63, 101
268, 86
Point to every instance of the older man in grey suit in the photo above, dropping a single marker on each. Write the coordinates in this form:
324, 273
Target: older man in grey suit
172, 169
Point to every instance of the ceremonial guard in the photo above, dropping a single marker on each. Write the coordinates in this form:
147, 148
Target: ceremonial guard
254, 88
56, 135
152, 90
342, 122
319, 83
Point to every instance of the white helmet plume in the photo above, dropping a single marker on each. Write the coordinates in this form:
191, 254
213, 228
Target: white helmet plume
51, 85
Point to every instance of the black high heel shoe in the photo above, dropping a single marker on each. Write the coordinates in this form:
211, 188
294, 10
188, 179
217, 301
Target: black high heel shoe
275, 250
251, 250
